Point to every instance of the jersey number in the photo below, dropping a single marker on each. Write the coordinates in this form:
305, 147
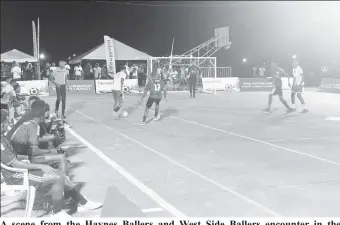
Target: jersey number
157, 87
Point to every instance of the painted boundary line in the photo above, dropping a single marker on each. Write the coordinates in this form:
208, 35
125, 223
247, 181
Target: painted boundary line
254, 140
213, 182
259, 141
154, 196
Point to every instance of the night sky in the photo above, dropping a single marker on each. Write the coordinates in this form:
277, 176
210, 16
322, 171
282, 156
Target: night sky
258, 30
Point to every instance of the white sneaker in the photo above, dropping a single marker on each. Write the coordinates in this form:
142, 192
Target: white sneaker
115, 115
62, 214
157, 118
89, 206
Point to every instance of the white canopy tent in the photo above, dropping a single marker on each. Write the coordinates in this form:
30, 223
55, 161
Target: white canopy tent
18, 56
122, 52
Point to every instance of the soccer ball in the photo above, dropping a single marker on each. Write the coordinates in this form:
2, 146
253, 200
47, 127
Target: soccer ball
34, 91
125, 114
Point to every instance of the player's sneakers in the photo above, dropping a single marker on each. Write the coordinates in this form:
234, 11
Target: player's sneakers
157, 118
115, 115
267, 111
305, 111
290, 110
143, 124
61, 214
89, 206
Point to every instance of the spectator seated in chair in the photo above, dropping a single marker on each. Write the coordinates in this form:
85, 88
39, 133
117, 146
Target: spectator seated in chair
25, 137
18, 101
41, 175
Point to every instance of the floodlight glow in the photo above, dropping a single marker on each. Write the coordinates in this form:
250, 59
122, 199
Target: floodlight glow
42, 56
244, 60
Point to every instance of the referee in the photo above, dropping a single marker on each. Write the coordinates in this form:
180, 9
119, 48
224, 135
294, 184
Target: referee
59, 79
194, 72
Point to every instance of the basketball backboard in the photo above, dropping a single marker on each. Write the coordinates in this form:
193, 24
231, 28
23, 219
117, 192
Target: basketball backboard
223, 33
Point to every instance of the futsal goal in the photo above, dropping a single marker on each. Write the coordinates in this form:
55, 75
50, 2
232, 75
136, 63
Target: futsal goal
175, 70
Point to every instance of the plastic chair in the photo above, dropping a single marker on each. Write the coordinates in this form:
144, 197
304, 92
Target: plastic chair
30, 190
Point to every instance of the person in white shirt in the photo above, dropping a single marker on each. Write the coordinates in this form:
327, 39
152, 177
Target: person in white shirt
16, 72
97, 71
298, 84
53, 67
117, 90
77, 72
59, 79
68, 68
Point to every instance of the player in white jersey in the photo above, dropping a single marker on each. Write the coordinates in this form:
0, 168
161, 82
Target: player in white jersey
298, 84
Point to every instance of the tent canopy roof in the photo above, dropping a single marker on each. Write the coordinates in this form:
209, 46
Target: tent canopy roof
18, 56
122, 52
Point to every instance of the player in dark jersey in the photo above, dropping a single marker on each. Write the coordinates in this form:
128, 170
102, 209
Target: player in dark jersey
277, 88
155, 86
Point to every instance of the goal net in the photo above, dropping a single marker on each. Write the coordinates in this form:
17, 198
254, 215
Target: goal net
175, 70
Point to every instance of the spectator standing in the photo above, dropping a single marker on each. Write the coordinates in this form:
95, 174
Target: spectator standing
3, 71
88, 71
78, 70
104, 72
29, 72
45, 74
134, 71
16, 72
97, 71
68, 68
53, 67
262, 70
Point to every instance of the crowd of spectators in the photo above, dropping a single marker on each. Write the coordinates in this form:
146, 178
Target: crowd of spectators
18, 71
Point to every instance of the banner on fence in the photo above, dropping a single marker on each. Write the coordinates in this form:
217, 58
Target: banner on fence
331, 85
76, 86
34, 87
255, 84
105, 86
225, 84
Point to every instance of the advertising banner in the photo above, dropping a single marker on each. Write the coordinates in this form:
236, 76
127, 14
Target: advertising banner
76, 86
221, 84
331, 85
34, 87
110, 56
105, 86
255, 84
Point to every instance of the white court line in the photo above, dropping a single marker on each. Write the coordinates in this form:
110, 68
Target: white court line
153, 195
152, 210
256, 140
221, 186
259, 141
298, 139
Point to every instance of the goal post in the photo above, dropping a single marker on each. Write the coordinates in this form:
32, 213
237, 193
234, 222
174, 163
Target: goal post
176, 68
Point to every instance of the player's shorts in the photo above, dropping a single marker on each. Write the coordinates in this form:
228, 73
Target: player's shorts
297, 88
35, 178
150, 102
276, 91
117, 95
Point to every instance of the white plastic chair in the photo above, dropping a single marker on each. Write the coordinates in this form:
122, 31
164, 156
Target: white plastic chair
30, 190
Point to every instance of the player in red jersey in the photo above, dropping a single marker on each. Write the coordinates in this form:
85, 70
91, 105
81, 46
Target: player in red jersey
155, 86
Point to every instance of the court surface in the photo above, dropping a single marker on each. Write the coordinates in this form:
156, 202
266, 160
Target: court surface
216, 155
